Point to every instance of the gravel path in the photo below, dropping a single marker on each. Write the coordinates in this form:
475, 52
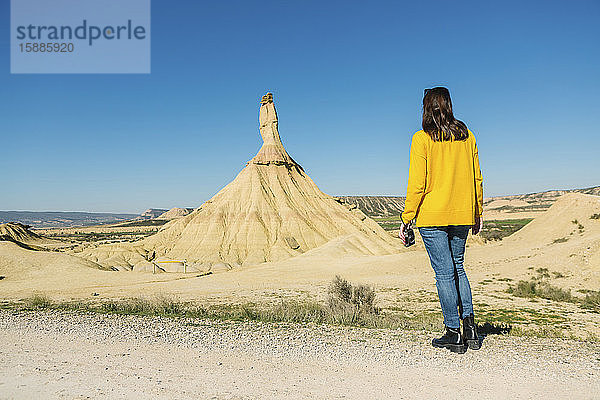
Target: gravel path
54, 354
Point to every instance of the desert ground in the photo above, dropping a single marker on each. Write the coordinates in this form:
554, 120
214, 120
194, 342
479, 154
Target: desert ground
65, 355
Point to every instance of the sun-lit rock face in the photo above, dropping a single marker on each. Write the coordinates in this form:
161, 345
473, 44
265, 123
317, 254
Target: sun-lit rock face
14, 231
175, 212
271, 211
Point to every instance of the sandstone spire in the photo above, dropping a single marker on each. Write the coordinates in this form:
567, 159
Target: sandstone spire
272, 150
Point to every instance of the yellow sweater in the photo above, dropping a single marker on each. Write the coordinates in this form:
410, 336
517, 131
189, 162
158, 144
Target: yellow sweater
445, 186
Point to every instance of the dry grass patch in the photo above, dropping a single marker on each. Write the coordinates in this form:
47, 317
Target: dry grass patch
38, 301
592, 301
539, 287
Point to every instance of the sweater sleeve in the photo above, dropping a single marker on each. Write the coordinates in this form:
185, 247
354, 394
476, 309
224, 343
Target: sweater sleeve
417, 174
478, 181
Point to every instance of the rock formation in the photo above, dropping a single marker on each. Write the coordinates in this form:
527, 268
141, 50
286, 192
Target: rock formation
151, 213
175, 212
23, 237
271, 211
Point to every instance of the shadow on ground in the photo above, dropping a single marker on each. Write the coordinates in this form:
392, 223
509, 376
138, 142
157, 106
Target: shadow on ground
488, 328
493, 329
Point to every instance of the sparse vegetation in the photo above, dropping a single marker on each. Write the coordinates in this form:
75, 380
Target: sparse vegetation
38, 301
147, 222
338, 311
491, 321
543, 273
96, 236
592, 301
579, 226
539, 287
347, 304
347, 301
499, 229
595, 216
388, 223
530, 207
164, 306
560, 240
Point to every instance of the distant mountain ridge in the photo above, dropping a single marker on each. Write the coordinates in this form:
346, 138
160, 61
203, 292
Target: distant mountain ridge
59, 219
389, 206
376, 206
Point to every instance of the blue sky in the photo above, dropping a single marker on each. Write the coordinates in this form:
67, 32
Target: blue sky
348, 79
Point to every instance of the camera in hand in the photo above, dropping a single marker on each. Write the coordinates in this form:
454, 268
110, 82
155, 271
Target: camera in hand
409, 237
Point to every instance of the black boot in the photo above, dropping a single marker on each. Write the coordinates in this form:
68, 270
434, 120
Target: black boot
470, 333
452, 340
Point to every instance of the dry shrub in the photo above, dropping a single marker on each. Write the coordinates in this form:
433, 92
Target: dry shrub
592, 301
162, 305
348, 304
537, 288
38, 301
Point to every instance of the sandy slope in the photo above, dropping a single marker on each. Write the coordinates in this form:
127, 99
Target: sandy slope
21, 235
28, 265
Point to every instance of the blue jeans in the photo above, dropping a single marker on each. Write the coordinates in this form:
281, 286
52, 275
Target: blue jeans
446, 248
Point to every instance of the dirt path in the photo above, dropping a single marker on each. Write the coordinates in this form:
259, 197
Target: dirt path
53, 354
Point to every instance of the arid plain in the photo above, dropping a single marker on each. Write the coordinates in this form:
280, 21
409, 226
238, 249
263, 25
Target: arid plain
271, 238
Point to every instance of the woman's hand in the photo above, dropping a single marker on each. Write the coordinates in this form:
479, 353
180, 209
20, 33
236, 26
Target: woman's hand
402, 231
477, 227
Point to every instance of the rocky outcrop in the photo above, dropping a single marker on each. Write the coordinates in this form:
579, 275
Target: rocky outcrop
174, 213
151, 213
21, 236
271, 211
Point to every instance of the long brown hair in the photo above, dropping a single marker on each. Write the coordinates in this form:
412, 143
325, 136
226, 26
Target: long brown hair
438, 119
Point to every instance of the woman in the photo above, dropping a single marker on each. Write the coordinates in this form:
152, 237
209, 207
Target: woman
445, 197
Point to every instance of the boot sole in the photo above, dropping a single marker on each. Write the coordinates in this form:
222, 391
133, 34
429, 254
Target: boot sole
473, 344
455, 348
